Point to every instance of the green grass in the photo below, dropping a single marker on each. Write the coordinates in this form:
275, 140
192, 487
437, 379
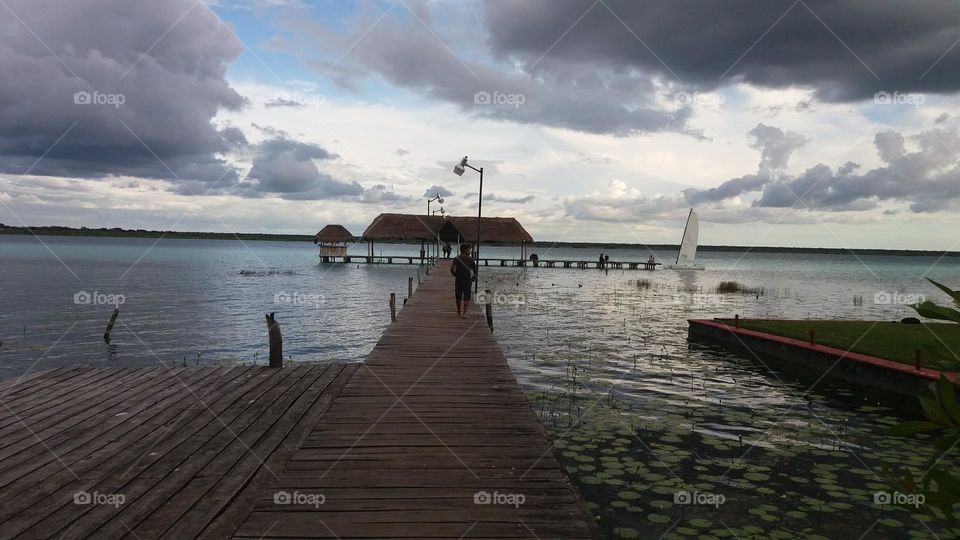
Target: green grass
893, 341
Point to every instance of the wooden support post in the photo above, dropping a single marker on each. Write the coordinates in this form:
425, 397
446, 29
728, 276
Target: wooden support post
418, 277
813, 340
489, 309
276, 341
736, 321
106, 333
393, 307
409, 287
916, 359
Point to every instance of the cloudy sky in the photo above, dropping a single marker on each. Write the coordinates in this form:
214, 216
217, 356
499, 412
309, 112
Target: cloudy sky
807, 122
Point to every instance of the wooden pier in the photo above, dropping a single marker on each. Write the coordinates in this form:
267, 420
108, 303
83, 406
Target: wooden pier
541, 263
432, 437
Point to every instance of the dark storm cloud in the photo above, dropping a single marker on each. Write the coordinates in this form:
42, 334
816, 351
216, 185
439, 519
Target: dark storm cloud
927, 179
286, 168
775, 146
579, 96
812, 43
124, 101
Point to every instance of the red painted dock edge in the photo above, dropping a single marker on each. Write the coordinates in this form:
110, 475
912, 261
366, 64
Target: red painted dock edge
840, 354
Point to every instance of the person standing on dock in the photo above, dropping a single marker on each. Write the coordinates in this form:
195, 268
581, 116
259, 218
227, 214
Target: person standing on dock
464, 269
600, 264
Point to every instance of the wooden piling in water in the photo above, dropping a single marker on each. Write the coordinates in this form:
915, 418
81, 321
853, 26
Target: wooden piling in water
393, 307
489, 309
276, 342
113, 319
409, 287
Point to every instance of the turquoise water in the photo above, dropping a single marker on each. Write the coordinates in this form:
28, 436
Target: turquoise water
638, 414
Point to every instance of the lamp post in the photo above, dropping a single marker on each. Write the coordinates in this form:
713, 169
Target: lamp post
439, 199
458, 170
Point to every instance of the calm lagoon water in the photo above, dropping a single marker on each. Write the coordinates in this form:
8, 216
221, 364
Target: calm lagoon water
645, 422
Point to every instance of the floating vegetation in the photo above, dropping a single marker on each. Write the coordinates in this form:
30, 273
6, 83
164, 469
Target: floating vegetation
729, 287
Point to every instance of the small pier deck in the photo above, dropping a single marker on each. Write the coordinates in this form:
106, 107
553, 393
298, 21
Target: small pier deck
431, 438
541, 263
150, 452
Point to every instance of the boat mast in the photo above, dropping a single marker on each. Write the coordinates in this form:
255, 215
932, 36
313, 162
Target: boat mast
684, 237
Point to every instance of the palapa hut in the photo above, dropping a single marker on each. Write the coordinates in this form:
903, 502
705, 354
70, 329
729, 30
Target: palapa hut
412, 228
333, 241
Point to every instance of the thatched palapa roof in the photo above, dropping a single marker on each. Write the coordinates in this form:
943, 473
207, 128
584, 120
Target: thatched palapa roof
416, 228
497, 230
333, 233
404, 227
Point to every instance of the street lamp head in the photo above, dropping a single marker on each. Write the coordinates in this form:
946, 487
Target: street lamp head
460, 167
439, 199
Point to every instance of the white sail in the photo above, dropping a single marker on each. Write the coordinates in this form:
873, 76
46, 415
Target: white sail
688, 245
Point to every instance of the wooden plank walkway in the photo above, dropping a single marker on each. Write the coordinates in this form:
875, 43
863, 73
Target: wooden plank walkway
431, 438
150, 453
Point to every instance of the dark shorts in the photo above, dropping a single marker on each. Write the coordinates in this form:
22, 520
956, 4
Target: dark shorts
462, 293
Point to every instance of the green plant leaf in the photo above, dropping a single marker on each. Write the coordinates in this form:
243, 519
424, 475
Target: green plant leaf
953, 294
947, 396
932, 311
934, 411
913, 426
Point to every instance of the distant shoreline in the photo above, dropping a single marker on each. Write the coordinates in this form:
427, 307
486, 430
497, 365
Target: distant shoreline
269, 237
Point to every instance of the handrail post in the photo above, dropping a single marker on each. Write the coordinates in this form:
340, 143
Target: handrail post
276, 341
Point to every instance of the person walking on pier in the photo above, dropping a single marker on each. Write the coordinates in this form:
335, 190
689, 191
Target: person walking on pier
464, 269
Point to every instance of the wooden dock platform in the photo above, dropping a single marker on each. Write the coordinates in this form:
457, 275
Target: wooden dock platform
430, 438
150, 452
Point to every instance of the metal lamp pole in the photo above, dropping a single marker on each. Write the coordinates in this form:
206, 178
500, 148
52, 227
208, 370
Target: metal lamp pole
458, 170
476, 254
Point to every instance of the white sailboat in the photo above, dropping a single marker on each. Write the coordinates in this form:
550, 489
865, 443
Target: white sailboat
688, 245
